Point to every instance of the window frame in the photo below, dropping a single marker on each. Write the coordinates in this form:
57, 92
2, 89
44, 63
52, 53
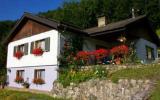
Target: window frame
151, 51
46, 45
20, 73
36, 71
17, 48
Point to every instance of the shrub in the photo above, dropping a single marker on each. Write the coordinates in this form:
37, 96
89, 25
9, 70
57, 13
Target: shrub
69, 76
83, 56
3, 77
120, 50
101, 53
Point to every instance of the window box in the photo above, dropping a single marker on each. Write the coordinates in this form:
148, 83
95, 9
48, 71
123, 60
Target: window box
18, 54
19, 79
37, 51
20, 50
19, 76
38, 81
40, 46
39, 76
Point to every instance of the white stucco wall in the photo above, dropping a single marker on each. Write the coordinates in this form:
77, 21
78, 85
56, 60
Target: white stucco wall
50, 77
48, 58
29, 63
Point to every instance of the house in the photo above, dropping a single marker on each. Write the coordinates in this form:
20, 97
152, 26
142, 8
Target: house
26, 62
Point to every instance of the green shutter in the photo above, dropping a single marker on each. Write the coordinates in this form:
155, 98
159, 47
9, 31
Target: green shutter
14, 50
26, 49
32, 43
47, 44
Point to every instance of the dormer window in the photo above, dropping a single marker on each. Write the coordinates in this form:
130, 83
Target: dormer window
43, 44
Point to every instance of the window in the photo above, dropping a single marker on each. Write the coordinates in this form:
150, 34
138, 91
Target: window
44, 44
22, 48
39, 74
20, 73
158, 53
150, 53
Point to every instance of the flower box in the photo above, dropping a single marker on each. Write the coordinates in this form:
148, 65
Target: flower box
38, 81
37, 51
19, 79
18, 54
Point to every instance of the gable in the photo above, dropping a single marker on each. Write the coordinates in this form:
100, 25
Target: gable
30, 28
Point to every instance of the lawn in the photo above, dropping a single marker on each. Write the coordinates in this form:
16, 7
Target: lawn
149, 72
18, 95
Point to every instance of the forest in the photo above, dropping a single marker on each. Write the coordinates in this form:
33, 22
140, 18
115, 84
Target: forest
84, 13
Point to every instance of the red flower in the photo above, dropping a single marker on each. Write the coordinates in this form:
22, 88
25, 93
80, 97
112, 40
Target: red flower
38, 81
100, 53
83, 55
18, 54
19, 79
37, 51
121, 49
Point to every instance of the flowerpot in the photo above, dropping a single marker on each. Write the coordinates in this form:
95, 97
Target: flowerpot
118, 61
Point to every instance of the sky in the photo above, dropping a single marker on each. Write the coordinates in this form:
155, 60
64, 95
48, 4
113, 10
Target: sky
14, 9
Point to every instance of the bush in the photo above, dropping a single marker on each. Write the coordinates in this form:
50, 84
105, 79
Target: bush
3, 77
71, 76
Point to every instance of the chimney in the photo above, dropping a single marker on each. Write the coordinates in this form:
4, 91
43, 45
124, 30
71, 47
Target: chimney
102, 21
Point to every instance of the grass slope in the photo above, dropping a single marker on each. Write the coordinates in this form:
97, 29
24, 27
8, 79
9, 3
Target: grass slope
149, 72
17, 95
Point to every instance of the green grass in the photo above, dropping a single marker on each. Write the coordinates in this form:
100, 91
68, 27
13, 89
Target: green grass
156, 92
18, 95
149, 72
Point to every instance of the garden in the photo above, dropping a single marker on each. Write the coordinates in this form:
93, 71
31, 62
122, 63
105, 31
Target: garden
73, 58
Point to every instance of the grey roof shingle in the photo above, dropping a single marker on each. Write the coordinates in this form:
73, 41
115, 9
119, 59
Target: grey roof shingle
113, 26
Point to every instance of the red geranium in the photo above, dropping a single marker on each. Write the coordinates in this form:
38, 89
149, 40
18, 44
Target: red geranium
37, 51
18, 54
100, 53
120, 50
19, 79
38, 81
83, 55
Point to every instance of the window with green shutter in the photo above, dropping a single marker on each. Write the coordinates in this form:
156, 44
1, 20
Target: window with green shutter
44, 44
21, 48
47, 44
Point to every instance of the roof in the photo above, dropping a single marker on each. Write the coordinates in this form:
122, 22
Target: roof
113, 26
48, 22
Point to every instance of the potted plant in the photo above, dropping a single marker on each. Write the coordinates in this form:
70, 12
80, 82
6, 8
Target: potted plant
19, 79
18, 54
25, 84
37, 51
38, 81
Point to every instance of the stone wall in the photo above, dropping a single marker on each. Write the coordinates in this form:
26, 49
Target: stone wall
96, 89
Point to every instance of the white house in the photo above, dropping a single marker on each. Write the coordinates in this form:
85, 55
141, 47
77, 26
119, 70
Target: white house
32, 32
